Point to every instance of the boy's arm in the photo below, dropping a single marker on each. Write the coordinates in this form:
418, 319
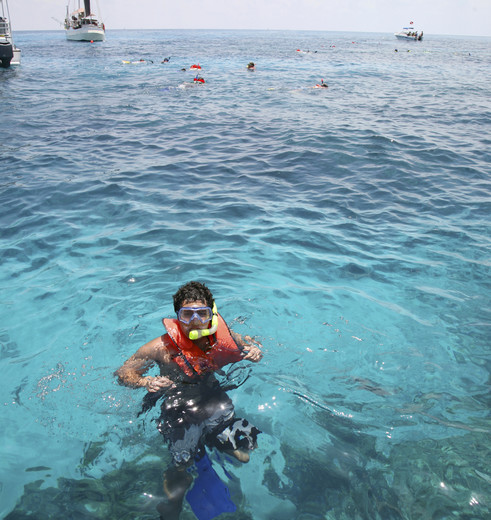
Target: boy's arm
131, 373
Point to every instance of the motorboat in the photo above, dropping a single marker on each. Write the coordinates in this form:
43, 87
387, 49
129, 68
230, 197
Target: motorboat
81, 24
9, 53
409, 33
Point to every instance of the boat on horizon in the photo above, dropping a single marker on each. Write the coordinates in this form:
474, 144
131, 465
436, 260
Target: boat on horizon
82, 25
9, 53
409, 33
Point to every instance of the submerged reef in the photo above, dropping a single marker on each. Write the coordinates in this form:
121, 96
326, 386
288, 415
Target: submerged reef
130, 492
427, 479
345, 479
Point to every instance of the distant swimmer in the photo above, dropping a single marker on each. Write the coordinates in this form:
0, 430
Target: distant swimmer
197, 80
165, 60
251, 65
138, 62
321, 85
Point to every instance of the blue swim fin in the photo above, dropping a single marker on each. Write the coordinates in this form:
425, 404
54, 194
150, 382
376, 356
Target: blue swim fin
209, 496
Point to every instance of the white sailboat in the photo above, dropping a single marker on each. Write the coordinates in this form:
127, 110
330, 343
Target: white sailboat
9, 53
82, 25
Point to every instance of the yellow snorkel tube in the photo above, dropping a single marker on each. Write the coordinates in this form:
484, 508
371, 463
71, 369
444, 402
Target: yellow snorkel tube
195, 334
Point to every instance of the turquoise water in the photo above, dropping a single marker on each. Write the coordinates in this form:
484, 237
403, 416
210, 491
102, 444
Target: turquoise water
347, 228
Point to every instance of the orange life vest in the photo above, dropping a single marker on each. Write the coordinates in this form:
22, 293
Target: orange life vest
191, 359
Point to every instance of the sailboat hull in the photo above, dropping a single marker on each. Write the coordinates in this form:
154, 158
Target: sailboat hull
85, 33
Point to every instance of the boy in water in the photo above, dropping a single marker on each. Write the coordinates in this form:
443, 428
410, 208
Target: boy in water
196, 411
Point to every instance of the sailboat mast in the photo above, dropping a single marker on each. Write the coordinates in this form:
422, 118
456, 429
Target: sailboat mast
87, 7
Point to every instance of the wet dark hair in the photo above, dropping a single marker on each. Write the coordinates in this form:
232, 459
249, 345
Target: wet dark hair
192, 291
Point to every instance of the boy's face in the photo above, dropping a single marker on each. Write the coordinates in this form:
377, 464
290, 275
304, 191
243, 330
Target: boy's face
195, 323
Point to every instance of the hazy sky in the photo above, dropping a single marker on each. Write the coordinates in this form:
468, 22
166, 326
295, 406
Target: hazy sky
463, 17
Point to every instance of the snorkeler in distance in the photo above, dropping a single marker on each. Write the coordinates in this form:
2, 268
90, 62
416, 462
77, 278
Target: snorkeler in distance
321, 85
251, 66
195, 410
165, 60
140, 61
197, 79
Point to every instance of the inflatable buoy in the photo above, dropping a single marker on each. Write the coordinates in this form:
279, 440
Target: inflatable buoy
195, 67
199, 80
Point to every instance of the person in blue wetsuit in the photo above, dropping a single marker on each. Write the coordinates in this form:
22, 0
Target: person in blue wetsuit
195, 411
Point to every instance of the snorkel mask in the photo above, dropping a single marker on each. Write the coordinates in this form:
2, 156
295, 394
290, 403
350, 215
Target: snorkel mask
195, 334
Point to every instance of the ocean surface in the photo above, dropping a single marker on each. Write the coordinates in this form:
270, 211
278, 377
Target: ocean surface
347, 229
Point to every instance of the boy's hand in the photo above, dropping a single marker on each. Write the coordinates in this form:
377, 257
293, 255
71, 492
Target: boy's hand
154, 384
252, 351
